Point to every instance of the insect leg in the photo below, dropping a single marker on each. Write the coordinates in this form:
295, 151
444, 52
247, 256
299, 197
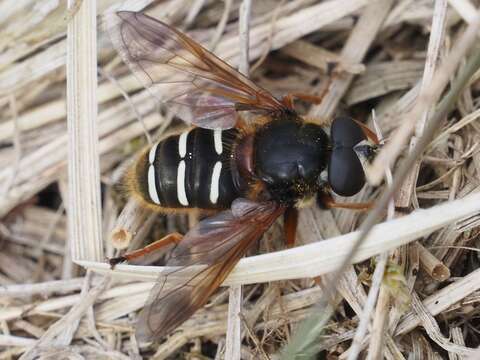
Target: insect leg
290, 221
289, 99
170, 239
351, 206
326, 201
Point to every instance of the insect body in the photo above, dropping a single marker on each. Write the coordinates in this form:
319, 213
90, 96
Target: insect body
255, 171
188, 170
208, 169
281, 160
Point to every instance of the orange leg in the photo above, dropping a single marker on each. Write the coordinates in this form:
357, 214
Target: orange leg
328, 202
313, 99
351, 206
289, 99
170, 239
290, 222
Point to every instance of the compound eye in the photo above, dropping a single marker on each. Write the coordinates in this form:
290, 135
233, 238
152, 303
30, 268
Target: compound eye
345, 132
345, 172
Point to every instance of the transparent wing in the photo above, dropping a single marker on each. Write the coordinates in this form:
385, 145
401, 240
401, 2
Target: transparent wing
218, 243
204, 90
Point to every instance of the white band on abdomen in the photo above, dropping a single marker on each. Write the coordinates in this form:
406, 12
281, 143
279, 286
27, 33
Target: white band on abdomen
152, 187
181, 193
214, 185
182, 144
217, 139
152, 153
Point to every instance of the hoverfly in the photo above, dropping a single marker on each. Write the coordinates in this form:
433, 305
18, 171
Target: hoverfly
252, 171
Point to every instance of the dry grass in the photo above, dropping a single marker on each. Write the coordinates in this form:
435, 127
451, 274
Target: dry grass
415, 285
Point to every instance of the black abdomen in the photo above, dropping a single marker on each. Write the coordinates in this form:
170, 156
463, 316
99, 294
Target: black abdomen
189, 170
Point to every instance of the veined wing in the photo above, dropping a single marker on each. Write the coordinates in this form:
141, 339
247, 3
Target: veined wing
203, 89
218, 242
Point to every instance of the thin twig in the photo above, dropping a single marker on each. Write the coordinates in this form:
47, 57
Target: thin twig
435, 43
378, 326
320, 257
17, 145
221, 25
193, 12
84, 206
377, 278
74, 314
128, 100
432, 125
364, 323
432, 266
427, 99
233, 340
268, 48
